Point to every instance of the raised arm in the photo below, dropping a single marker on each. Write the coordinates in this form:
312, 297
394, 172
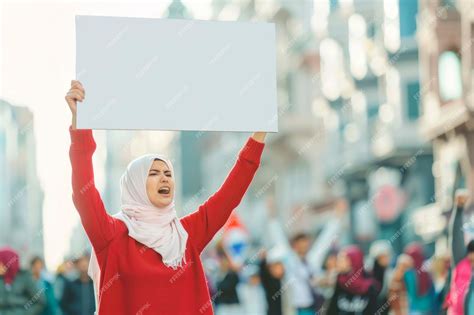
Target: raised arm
330, 233
99, 226
456, 233
323, 244
276, 236
204, 223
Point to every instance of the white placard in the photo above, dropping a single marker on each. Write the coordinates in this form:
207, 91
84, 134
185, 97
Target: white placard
171, 74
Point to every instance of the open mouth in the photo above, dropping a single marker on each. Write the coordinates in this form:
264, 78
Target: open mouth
165, 190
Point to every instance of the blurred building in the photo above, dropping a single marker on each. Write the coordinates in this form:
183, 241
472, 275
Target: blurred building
369, 102
348, 114
280, 173
21, 196
446, 38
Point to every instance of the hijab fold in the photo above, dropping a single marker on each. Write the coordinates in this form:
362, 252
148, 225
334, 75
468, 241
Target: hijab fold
356, 280
415, 251
11, 261
157, 228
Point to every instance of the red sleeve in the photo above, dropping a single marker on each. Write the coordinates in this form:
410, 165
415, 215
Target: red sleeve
204, 223
99, 226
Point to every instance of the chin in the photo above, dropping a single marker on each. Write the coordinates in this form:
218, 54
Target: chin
162, 203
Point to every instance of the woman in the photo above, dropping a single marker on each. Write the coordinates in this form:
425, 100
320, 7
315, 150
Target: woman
326, 282
440, 274
381, 254
272, 272
19, 294
227, 301
356, 291
146, 259
418, 283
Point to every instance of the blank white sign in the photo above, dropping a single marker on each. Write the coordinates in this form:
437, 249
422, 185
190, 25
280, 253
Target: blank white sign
170, 74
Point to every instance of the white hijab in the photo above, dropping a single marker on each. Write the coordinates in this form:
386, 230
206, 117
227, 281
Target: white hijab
157, 228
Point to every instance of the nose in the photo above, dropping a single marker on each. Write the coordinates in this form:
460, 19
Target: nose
164, 179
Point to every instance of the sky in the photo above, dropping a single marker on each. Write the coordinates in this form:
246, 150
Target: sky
37, 62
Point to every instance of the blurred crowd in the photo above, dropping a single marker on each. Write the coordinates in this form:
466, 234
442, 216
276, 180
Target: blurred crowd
285, 276
304, 276
37, 292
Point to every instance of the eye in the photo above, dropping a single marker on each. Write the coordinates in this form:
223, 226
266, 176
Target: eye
152, 174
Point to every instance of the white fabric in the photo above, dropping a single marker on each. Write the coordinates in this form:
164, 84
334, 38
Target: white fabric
157, 228
252, 298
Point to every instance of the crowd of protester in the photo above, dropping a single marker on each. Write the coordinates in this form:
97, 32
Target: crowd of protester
296, 276
35, 291
304, 276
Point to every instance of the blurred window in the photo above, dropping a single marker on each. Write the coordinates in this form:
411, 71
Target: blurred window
372, 111
334, 5
449, 76
413, 100
408, 11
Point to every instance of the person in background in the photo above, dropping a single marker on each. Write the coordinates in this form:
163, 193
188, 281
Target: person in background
78, 296
272, 272
397, 293
227, 300
381, 254
44, 284
326, 282
356, 290
304, 258
440, 276
305, 297
64, 273
251, 292
420, 290
460, 299
18, 292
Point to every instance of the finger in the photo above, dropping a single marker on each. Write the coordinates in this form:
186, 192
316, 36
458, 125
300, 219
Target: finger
70, 100
79, 92
77, 85
75, 95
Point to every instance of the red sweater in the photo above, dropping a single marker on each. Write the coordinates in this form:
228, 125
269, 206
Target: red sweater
134, 279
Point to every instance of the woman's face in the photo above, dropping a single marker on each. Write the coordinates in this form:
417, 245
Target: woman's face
277, 270
384, 260
160, 184
343, 263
